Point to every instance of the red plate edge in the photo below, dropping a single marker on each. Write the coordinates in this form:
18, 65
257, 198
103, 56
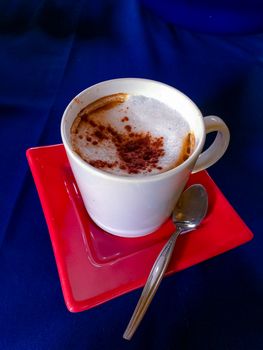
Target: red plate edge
65, 283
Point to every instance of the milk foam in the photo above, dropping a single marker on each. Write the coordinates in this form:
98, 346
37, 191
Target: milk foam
137, 114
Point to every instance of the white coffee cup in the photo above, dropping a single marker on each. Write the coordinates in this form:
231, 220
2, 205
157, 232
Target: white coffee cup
135, 206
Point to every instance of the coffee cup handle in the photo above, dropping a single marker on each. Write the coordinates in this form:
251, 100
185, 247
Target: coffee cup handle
219, 145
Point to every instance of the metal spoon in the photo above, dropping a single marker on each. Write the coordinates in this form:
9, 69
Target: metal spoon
187, 215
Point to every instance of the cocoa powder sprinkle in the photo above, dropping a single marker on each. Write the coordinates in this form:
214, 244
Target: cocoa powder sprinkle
91, 122
125, 119
137, 152
128, 128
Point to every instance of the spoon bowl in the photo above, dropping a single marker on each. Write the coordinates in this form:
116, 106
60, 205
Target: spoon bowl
191, 208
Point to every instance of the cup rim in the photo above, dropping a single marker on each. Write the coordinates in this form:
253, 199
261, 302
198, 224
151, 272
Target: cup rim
124, 178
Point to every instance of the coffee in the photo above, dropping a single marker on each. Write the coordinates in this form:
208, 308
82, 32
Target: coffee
131, 135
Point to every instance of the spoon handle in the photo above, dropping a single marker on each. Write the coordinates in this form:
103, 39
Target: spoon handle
152, 284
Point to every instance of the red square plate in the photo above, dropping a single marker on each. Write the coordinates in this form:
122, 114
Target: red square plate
95, 266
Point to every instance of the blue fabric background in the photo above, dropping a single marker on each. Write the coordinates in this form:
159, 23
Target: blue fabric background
50, 51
